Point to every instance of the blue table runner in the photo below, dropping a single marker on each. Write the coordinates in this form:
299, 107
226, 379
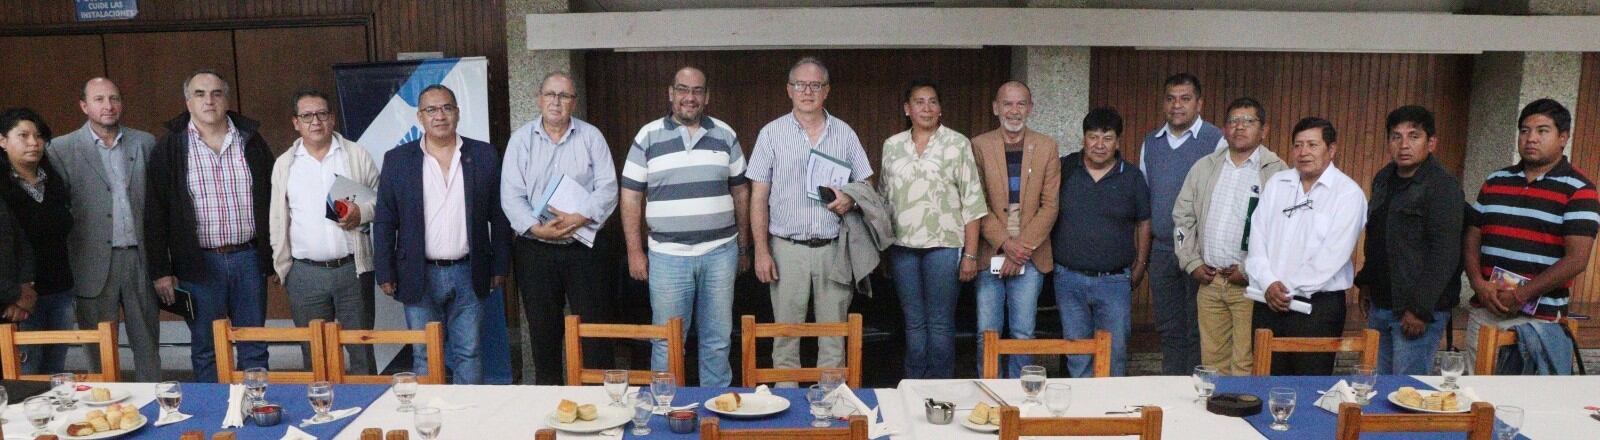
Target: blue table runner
1311, 422
208, 403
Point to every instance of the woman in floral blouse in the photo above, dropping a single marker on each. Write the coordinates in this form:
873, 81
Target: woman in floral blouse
935, 198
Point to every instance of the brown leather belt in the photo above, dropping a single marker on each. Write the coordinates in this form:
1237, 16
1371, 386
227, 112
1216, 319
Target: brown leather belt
330, 264
811, 243
228, 249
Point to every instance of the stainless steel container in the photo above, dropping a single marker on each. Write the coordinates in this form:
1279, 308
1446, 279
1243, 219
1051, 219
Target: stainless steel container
266, 415
940, 413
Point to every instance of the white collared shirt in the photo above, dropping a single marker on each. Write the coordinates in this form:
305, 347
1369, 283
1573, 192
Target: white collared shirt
1177, 141
311, 235
1229, 211
444, 202
1308, 248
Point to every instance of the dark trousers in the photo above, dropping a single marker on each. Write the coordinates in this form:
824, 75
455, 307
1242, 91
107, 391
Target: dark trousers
1325, 321
1172, 295
551, 277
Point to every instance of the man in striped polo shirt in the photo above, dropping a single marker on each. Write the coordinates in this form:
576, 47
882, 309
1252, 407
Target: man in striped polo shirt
1536, 219
689, 170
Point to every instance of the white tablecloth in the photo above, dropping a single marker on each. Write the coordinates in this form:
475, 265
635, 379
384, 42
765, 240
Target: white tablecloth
498, 411
1553, 405
17, 426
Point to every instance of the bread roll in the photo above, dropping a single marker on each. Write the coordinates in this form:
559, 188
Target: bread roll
100, 424
99, 395
588, 412
130, 419
567, 411
980, 414
80, 429
994, 417
1409, 396
94, 413
728, 402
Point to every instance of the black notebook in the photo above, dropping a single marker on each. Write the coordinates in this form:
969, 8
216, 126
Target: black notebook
182, 304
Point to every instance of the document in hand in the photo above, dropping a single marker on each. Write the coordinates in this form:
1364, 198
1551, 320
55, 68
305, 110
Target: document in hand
350, 190
825, 170
1506, 279
1295, 304
566, 195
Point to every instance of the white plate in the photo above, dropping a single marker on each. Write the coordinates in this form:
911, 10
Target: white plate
116, 396
1465, 404
751, 405
606, 417
62, 431
962, 416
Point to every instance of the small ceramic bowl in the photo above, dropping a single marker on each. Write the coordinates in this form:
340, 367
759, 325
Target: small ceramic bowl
683, 421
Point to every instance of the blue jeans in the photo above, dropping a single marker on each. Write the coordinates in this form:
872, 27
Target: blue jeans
52, 312
1398, 354
1008, 305
698, 289
928, 283
452, 301
231, 286
1095, 303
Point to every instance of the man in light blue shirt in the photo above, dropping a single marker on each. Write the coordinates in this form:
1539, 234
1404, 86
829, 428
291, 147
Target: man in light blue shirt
553, 268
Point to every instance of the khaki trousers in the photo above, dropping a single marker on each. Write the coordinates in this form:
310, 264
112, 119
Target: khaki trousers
1225, 332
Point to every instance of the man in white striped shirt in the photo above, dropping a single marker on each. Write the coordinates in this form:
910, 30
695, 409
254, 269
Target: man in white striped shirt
688, 169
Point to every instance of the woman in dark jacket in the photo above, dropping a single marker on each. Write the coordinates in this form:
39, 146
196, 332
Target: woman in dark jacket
37, 199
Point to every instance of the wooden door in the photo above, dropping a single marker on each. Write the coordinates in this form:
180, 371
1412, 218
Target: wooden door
47, 74
151, 68
276, 63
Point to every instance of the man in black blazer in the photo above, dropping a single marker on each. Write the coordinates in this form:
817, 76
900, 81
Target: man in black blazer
440, 239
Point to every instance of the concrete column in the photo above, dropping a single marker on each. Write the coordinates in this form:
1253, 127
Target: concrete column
526, 67
1059, 78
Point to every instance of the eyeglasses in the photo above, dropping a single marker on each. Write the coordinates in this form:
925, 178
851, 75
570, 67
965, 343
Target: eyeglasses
1244, 121
448, 109
559, 97
804, 86
686, 90
306, 118
1289, 212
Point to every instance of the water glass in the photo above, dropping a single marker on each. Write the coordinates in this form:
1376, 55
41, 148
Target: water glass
663, 386
616, 383
1507, 422
1281, 403
320, 394
405, 389
644, 406
1205, 381
831, 378
39, 410
1364, 381
821, 405
1451, 365
255, 385
429, 422
1058, 397
169, 395
1033, 377
64, 386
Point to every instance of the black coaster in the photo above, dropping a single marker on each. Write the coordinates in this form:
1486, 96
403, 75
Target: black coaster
1234, 404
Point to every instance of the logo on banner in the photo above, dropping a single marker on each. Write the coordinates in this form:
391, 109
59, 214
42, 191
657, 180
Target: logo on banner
378, 101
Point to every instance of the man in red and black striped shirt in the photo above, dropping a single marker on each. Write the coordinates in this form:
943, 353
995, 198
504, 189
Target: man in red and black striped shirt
1536, 219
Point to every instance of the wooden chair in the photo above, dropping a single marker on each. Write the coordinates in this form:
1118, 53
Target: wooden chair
750, 330
431, 335
857, 430
104, 335
224, 334
1491, 338
545, 434
1099, 347
1478, 424
1147, 425
577, 331
1266, 345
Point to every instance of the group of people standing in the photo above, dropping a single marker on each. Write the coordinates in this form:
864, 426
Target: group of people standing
1230, 236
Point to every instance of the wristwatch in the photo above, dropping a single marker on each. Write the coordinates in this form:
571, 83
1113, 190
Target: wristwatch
969, 256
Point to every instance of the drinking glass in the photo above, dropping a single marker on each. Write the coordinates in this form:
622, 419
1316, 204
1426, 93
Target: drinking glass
831, 378
644, 406
1507, 422
64, 385
169, 395
1363, 382
1451, 365
320, 394
1032, 382
39, 410
1058, 397
405, 388
616, 383
255, 385
428, 422
1205, 381
663, 386
1281, 403
821, 405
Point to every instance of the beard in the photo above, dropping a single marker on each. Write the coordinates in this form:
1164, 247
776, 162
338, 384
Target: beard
1013, 128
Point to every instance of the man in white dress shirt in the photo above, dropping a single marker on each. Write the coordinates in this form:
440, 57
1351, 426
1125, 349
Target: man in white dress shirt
1301, 239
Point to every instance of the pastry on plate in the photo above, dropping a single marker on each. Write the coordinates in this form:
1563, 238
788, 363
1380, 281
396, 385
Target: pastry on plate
728, 402
588, 412
567, 411
1409, 396
980, 414
99, 394
80, 429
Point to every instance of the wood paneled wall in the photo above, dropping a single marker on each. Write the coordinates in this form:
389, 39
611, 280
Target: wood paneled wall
456, 28
1354, 91
1586, 156
628, 89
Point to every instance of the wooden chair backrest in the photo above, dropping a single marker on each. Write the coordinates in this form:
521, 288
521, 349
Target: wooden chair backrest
750, 330
577, 375
1266, 345
856, 430
431, 337
994, 347
1491, 338
1013, 427
104, 336
1478, 424
224, 335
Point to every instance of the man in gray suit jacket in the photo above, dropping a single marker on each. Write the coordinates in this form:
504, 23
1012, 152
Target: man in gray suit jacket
103, 163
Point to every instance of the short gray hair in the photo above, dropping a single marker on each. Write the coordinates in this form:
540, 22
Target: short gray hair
205, 71
555, 74
812, 61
